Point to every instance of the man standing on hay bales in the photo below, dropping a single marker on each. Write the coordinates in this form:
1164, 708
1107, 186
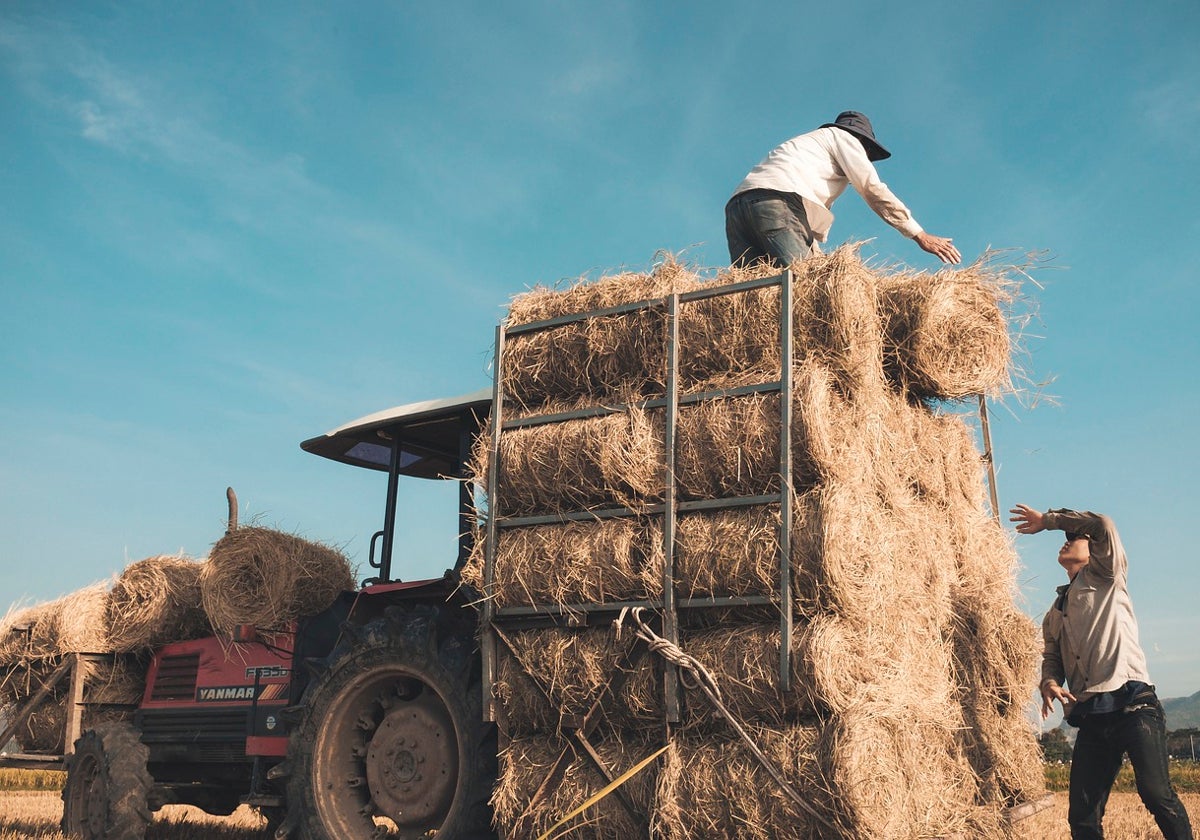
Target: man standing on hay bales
1091, 640
781, 208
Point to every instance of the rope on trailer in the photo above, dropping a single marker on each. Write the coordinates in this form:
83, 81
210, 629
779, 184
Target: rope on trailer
693, 675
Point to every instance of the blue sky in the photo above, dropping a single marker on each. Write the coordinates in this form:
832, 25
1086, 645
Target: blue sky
228, 227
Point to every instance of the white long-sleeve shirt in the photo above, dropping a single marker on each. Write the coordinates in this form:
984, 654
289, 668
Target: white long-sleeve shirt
818, 166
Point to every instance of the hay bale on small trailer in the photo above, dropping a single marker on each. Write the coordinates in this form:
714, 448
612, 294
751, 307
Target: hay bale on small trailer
758, 459
80, 660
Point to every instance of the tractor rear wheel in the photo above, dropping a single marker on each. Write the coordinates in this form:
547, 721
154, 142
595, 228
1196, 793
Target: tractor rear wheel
391, 740
105, 797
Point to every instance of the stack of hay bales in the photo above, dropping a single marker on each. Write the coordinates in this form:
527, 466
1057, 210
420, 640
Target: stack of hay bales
254, 576
910, 662
121, 621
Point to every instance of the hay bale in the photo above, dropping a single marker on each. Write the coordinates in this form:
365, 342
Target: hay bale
606, 461
44, 730
575, 667
602, 360
155, 601
16, 634
615, 358
118, 681
732, 552
995, 649
728, 447
947, 332
714, 787
575, 562
835, 666
267, 579
897, 775
82, 625
525, 763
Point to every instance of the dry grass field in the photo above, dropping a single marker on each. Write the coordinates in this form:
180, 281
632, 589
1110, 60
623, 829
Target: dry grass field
34, 815
1126, 819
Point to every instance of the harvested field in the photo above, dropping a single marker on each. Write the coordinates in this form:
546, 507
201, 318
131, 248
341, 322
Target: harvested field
35, 815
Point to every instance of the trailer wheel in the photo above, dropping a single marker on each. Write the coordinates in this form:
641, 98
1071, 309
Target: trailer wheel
105, 797
391, 740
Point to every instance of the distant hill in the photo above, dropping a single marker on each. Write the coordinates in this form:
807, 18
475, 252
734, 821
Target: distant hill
1182, 712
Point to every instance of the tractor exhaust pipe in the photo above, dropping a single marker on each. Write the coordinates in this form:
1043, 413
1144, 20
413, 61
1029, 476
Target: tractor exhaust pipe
231, 497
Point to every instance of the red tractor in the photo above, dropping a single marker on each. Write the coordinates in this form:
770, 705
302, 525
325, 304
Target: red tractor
364, 721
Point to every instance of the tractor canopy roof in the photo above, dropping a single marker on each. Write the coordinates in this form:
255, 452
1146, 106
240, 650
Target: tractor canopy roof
432, 435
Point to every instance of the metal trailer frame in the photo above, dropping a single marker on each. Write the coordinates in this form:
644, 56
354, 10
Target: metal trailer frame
494, 619
75, 666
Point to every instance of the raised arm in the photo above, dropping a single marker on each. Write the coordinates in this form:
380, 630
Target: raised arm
1107, 554
863, 176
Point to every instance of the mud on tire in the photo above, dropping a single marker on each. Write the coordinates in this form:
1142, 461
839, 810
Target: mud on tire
105, 797
391, 740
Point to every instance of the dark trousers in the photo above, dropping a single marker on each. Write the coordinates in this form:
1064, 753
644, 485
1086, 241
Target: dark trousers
767, 225
1103, 740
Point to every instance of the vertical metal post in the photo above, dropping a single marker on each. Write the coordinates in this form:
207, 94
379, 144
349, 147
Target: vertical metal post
487, 636
670, 614
74, 722
466, 500
785, 481
389, 512
988, 459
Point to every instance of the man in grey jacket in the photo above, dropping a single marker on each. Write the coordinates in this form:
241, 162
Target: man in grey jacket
1093, 664
782, 208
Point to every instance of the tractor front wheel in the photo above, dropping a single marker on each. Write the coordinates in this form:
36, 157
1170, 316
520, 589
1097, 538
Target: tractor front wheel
105, 797
391, 740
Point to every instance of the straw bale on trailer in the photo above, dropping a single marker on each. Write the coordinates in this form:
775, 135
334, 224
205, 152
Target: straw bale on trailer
612, 358
575, 668
898, 775
728, 447
119, 681
597, 561
81, 625
16, 634
154, 601
947, 332
525, 763
45, 727
714, 787
615, 459
872, 776
71, 624
267, 579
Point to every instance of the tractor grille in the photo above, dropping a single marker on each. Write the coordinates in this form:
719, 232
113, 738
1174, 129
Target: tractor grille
176, 677
195, 726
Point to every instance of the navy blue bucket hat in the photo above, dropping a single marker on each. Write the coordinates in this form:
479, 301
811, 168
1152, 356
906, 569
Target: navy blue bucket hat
858, 125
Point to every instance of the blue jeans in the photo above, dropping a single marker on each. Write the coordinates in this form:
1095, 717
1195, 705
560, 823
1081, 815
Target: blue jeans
767, 225
1103, 740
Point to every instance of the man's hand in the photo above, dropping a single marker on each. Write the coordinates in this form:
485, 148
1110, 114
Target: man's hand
1029, 521
939, 246
1052, 691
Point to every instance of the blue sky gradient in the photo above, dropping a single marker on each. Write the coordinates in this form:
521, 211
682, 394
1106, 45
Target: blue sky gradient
227, 227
